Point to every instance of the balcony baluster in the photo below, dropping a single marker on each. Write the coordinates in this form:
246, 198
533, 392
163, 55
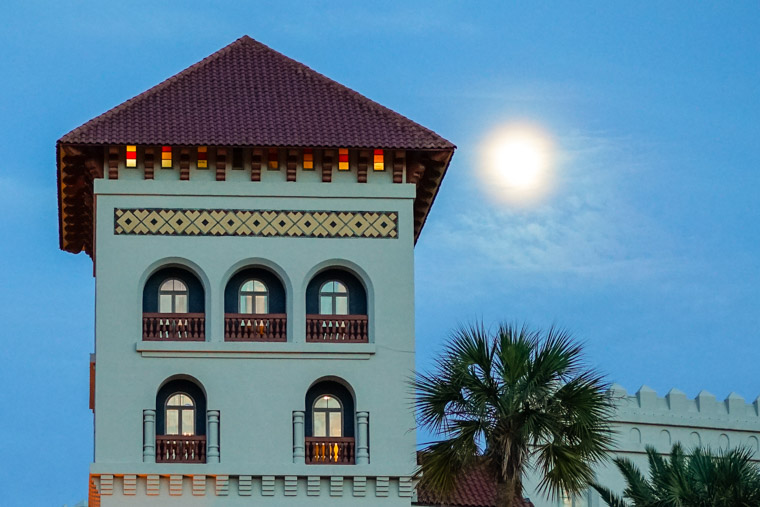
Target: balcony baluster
246, 327
330, 451
337, 328
174, 327
180, 449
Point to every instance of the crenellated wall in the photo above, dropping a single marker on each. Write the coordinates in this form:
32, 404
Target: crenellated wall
647, 419
644, 418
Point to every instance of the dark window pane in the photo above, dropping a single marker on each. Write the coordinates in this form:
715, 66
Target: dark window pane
336, 424
188, 422
180, 303
165, 303
325, 305
261, 304
172, 422
319, 424
246, 305
341, 305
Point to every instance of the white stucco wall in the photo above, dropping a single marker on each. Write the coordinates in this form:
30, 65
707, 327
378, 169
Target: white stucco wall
255, 386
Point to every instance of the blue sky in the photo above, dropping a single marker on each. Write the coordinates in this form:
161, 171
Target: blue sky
648, 248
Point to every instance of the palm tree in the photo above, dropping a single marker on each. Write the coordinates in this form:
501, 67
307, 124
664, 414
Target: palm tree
508, 401
702, 479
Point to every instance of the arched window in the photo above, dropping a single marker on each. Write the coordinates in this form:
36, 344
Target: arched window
180, 415
181, 409
329, 424
174, 286
333, 298
181, 422
329, 410
172, 296
336, 291
336, 308
327, 417
254, 297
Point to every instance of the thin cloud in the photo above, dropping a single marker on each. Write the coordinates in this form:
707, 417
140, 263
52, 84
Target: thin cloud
585, 228
509, 90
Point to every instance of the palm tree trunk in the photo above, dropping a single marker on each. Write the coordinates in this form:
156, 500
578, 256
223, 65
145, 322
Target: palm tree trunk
509, 484
508, 493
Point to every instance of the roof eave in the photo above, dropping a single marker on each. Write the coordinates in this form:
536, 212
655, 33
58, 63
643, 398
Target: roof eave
429, 206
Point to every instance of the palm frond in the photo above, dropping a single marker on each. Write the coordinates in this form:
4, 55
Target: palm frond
702, 479
638, 488
442, 462
511, 398
608, 496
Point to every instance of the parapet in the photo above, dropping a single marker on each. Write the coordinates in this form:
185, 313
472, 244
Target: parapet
676, 409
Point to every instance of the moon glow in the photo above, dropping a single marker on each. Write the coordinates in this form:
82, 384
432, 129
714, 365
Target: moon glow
516, 162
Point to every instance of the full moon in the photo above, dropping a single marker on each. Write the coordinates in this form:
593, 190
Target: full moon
516, 161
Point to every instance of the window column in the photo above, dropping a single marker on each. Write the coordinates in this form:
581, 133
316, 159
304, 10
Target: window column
212, 454
299, 439
362, 449
149, 436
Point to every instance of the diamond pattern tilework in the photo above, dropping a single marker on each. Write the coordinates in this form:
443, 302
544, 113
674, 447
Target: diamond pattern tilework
257, 223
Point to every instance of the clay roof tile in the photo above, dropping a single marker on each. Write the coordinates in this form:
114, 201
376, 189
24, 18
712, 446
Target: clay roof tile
247, 94
476, 488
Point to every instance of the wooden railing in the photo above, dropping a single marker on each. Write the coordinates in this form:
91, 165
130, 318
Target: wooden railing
330, 451
243, 327
337, 328
180, 449
174, 326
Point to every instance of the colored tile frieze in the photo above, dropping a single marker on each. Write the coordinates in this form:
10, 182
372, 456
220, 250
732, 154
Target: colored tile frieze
256, 223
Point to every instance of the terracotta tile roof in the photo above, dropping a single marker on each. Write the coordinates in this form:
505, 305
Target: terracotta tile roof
475, 489
247, 94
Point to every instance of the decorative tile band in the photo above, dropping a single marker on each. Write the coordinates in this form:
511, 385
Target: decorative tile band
257, 223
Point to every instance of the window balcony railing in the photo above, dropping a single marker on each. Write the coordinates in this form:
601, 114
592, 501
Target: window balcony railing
337, 328
330, 451
180, 449
174, 326
245, 327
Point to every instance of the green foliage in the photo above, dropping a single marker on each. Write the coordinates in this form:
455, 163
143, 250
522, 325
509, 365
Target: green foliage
508, 401
702, 479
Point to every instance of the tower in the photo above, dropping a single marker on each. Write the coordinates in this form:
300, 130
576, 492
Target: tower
251, 225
